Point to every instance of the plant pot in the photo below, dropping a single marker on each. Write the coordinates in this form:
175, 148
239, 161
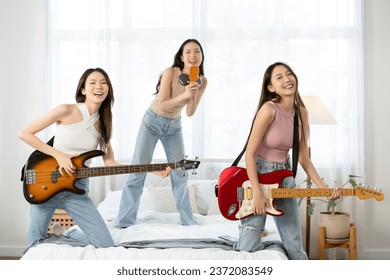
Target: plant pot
337, 224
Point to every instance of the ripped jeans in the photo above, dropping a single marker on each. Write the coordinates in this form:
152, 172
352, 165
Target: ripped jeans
81, 208
288, 224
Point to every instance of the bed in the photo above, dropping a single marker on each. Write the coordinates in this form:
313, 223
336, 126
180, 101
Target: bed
159, 235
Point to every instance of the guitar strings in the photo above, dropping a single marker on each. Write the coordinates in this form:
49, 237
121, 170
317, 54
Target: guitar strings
47, 174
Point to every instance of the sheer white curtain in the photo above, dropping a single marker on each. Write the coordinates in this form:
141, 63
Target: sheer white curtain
320, 39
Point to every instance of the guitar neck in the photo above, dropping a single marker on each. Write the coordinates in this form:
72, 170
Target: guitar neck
301, 192
121, 169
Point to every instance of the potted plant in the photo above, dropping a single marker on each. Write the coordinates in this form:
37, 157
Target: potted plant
331, 203
336, 223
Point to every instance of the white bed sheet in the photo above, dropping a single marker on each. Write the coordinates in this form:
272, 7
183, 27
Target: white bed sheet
154, 225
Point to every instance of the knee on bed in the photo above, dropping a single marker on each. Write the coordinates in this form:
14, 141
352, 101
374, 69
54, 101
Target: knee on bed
250, 239
252, 228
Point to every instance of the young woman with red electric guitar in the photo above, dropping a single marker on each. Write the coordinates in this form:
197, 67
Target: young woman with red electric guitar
267, 150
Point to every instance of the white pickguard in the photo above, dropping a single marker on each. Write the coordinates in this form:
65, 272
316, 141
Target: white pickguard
246, 205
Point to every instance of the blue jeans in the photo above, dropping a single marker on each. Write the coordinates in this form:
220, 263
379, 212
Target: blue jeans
288, 224
80, 208
169, 132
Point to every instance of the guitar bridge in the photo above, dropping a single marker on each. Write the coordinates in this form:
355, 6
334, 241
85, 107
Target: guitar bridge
30, 177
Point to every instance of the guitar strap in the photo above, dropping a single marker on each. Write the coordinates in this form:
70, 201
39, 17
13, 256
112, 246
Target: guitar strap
295, 152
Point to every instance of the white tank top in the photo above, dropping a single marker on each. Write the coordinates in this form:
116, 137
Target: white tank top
79, 137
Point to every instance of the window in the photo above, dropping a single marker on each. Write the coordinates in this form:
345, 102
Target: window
321, 40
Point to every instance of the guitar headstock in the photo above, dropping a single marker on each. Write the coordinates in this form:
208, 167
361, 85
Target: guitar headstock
186, 164
366, 192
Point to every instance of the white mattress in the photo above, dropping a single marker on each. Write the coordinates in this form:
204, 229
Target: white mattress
155, 225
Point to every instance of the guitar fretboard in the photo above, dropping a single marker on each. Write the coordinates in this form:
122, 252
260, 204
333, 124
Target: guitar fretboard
121, 169
302, 192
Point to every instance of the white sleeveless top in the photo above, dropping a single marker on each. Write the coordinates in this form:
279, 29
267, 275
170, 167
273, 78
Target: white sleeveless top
79, 137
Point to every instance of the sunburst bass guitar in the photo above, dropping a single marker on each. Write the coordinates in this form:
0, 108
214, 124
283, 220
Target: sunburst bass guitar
42, 179
235, 194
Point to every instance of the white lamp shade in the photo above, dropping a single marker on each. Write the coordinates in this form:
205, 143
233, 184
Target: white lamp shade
318, 113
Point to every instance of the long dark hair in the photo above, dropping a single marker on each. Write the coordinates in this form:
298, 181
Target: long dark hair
105, 109
267, 95
177, 62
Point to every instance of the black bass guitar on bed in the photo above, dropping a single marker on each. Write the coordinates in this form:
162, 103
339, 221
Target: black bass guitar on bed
235, 193
42, 179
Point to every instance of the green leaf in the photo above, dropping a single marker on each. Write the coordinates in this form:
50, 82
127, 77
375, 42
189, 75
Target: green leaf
331, 205
310, 209
352, 181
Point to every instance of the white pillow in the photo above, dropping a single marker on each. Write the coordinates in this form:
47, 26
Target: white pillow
109, 207
203, 192
161, 199
144, 203
214, 208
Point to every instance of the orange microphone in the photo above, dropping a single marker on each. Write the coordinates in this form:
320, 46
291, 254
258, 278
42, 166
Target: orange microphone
194, 73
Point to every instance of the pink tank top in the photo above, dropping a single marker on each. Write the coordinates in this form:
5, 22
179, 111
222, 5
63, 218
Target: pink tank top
278, 138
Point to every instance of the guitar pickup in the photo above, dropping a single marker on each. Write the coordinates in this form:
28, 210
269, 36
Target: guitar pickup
30, 177
240, 194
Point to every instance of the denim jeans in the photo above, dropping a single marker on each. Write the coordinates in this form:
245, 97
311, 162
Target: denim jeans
169, 132
82, 210
288, 224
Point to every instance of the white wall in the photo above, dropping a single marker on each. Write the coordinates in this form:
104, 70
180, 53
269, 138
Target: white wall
23, 78
371, 217
22, 74
373, 223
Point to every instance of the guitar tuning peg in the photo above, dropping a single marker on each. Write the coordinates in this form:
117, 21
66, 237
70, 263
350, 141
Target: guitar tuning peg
196, 158
194, 172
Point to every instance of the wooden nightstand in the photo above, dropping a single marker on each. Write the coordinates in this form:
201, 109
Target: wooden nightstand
61, 217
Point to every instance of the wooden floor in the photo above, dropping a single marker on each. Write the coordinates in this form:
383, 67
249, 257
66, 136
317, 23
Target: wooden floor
9, 258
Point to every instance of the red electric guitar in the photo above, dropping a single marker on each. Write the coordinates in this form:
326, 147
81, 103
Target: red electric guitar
235, 193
